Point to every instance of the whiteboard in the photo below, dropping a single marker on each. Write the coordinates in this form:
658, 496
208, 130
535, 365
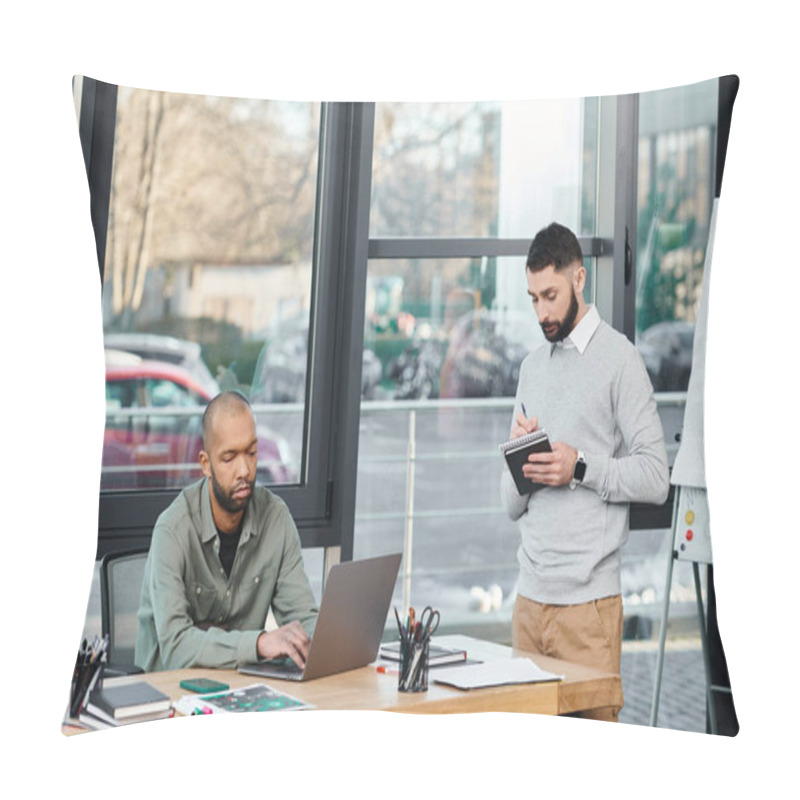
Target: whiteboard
692, 533
689, 468
692, 539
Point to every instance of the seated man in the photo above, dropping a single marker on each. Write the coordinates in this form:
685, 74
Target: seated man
222, 553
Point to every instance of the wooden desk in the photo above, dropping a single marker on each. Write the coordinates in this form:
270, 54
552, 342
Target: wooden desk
583, 688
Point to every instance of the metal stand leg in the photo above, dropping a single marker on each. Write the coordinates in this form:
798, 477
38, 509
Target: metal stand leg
712, 712
710, 688
662, 638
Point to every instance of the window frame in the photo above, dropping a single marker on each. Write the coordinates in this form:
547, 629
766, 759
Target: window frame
323, 503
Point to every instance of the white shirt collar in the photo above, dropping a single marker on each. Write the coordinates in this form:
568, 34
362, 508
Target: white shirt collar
582, 333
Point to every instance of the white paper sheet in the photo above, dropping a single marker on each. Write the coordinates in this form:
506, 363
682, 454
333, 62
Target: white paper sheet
496, 672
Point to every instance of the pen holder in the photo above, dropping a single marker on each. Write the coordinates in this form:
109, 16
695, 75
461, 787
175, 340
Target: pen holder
413, 675
86, 679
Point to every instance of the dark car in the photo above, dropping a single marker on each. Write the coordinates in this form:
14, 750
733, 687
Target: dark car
486, 351
667, 349
479, 356
153, 434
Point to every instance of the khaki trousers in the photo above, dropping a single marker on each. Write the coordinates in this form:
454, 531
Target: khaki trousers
588, 634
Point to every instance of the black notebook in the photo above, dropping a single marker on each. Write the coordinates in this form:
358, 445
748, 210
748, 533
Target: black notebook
516, 453
129, 700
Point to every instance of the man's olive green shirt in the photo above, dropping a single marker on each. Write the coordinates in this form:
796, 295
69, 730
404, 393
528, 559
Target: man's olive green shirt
191, 614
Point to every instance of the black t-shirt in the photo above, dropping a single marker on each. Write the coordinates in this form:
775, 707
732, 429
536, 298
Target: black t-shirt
228, 542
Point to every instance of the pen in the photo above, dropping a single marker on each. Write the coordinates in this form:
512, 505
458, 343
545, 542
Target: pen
524, 412
387, 670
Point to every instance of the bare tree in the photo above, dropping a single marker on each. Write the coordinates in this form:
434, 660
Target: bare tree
132, 199
207, 180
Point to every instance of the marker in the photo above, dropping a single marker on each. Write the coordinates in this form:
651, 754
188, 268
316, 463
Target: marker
387, 670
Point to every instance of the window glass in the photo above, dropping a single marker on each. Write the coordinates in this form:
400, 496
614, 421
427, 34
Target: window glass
677, 130
449, 336
428, 486
208, 274
480, 169
161, 392
449, 328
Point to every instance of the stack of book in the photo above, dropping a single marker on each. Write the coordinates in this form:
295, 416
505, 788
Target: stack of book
109, 706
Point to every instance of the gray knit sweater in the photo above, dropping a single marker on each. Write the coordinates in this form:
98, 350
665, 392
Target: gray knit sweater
600, 402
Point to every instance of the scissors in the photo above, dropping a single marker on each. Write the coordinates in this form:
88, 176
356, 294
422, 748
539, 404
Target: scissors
429, 622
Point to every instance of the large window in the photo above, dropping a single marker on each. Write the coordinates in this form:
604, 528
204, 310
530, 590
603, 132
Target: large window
458, 190
677, 134
207, 280
230, 247
358, 270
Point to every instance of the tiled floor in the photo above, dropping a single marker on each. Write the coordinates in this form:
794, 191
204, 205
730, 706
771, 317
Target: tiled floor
682, 701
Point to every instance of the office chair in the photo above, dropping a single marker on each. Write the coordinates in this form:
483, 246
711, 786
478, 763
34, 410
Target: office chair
121, 577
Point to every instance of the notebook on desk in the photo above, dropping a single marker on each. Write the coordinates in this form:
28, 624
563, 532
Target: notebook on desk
352, 617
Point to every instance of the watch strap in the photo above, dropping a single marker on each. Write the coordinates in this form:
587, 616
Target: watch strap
579, 470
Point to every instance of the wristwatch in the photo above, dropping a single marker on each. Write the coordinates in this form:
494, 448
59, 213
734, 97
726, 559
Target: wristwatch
579, 471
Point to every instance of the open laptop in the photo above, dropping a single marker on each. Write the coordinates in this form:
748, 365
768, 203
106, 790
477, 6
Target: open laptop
350, 624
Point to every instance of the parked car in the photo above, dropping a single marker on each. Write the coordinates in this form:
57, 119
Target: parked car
667, 349
486, 351
280, 372
153, 434
155, 347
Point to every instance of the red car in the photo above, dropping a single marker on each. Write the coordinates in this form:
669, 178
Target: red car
153, 434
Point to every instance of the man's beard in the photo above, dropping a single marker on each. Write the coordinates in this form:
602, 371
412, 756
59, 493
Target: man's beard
567, 324
226, 500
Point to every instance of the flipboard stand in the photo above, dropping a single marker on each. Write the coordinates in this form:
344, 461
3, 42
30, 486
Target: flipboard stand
691, 541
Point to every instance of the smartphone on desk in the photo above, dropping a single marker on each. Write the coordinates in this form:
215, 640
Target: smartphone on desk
203, 685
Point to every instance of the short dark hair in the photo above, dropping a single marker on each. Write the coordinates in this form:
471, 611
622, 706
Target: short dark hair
555, 246
224, 401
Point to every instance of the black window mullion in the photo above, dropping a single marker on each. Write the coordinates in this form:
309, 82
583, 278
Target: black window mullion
96, 126
343, 251
615, 288
625, 216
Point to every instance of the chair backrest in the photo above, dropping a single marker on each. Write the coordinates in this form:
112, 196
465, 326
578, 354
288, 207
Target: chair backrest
121, 577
